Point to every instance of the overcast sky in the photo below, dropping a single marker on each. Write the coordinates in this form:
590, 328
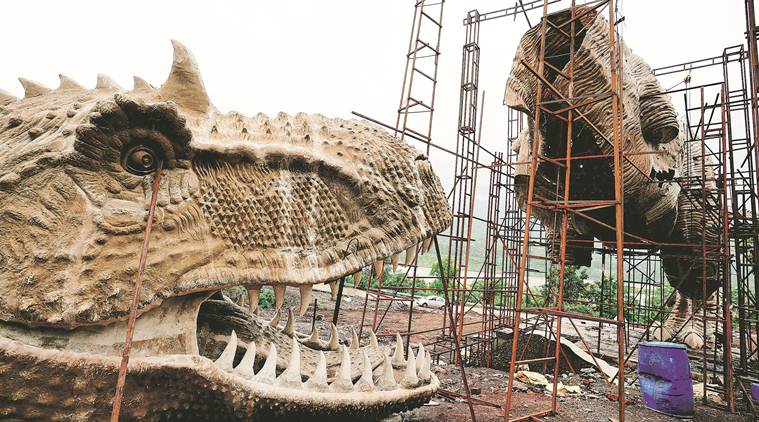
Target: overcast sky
327, 56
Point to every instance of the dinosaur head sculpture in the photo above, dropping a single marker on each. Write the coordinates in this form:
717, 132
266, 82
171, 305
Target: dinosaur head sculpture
662, 176
253, 201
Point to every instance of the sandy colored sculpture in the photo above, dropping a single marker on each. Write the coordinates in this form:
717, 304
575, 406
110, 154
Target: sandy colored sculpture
252, 201
663, 182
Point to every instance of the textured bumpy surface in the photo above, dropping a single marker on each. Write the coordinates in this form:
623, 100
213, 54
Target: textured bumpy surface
662, 178
252, 201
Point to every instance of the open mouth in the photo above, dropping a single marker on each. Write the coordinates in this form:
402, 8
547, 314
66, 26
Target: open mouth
204, 344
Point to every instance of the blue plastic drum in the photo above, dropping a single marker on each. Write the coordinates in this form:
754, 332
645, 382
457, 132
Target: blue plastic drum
665, 378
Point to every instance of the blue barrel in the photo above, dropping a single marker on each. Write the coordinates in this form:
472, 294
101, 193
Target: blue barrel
755, 391
665, 379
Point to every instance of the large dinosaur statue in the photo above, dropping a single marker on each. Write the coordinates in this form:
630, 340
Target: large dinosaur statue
253, 201
663, 183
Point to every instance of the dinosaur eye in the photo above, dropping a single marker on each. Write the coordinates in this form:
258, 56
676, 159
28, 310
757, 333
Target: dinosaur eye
140, 160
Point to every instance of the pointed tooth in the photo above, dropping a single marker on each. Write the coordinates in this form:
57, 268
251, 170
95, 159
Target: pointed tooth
420, 355
290, 324
105, 82
68, 83
305, 298
410, 379
424, 372
275, 319
379, 268
354, 340
279, 296
32, 89
245, 367
268, 372
314, 337
373, 341
426, 245
343, 383
333, 288
318, 381
227, 357
356, 278
334, 339
365, 383
398, 360
410, 255
394, 260
253, 292
291, 376
387, 381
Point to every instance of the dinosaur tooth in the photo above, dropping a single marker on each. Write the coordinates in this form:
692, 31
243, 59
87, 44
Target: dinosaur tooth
275, 319
268, 372
398, 359
410, 255
426, 244
365, 383
354, 340
424, 372
394, 260
305, 298
245, 367
334, 339
379, 267
253, 292
227, 357
373, 340
318, 381
420, 356
342, 383
105, 82
279, 296
357, 278
386, 380
314, 337
32, 89
410, 379
333, 288
290, 324
291, 376
68, 83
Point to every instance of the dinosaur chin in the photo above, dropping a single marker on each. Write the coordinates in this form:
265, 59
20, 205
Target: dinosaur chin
242, 201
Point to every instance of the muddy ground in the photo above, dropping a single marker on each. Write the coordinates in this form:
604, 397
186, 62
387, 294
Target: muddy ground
596, 401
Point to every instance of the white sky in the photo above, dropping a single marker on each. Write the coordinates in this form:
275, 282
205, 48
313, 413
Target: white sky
328, 56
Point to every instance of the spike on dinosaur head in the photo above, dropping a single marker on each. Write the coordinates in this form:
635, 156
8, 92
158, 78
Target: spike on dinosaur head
6, 98
185, 85
141, 85
68, 83
105, 82
32, 88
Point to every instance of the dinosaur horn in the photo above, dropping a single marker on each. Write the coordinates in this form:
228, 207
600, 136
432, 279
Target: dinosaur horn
105, 82
68, 83
184, 85
141, 85
32, 89
6, 98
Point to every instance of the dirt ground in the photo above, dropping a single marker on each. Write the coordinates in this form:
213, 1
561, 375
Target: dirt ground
595, 403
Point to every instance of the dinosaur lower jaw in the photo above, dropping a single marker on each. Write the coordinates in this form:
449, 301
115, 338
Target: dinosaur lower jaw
175, 369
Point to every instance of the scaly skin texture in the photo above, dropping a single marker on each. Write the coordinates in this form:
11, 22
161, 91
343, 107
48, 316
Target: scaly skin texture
662, 177
253, 201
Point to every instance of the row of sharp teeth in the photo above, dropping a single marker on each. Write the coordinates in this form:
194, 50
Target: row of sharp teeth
416, 370
305, 290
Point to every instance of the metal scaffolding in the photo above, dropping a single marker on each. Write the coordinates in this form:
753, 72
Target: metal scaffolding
722, 117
